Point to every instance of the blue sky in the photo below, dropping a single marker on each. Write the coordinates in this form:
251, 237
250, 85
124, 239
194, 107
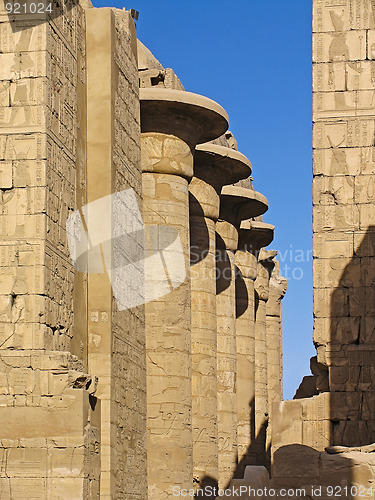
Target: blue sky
254, 58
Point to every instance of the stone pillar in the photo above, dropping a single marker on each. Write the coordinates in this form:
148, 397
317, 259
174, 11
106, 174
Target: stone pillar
263, 234
246, 262
171, 123
277, 290
116, 335
214, 166
237, 203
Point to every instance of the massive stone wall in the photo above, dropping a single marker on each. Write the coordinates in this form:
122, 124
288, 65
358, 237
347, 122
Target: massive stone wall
343, 212
55, 323
51, 425
331, 417
116, 342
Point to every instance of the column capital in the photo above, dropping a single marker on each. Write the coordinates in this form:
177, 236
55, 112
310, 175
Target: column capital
219, 165
190, 117
239, 203
247, 263
214, 167
254, 235
265, 267
278, 284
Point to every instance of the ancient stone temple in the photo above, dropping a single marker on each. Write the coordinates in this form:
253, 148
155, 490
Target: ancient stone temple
140, 303
140, 315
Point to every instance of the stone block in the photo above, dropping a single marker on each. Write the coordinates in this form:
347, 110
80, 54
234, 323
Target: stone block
339, 46
295, 461
343, 104
337, 161
337, 272
316, 434
345, 406
340, 76
34, 37
330, 16
287, 423
337, 190
333, 245
5, 175
322, 330
366, 216
18, 146
4, 94
364, 242
339, 217
355, 132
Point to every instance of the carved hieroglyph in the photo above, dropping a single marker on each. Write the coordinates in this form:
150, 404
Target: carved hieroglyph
115, 337
343, 267
50, 440
166, 160
343, 198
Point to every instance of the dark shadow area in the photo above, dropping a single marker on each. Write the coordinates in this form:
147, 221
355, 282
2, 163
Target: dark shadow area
199, 236
319, 473
208, 488
256, 305
223, 266
242, 299
351, 372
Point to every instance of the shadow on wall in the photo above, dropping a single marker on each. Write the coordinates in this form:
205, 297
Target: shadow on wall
199, 236
318, 474
351, 364
345, 375
342, 412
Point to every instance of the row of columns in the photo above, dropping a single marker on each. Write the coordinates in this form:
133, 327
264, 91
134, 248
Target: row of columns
206, 340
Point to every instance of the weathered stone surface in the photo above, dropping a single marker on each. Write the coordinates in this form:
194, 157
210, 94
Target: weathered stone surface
343, 250
204, 339
214, 166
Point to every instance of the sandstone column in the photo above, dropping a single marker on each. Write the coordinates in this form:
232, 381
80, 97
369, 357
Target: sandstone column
173, 122
116, 334
246, 262
277, 290
263, 234
236, 204
214, 166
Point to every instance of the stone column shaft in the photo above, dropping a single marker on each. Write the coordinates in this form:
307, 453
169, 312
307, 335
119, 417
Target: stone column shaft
277, 291
168, 341
237, 204
226, 351
173, 122
265, 265
203, 330
246, 263
214, 166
